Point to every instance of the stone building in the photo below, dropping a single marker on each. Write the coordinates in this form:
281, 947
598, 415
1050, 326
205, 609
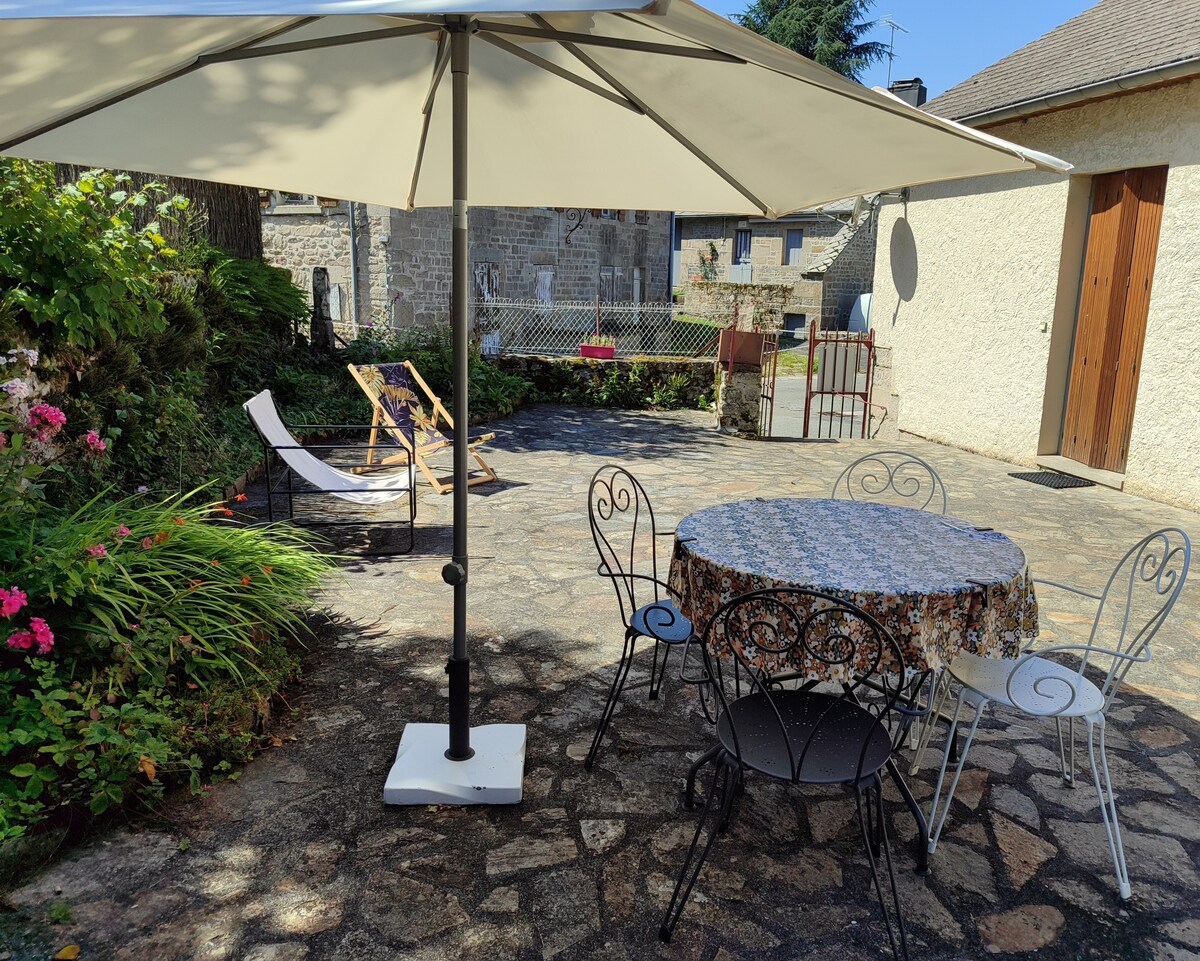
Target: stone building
394, 266
1051, 320
804, 268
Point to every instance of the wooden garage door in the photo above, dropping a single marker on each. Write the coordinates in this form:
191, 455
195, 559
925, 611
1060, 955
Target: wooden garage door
1110, 327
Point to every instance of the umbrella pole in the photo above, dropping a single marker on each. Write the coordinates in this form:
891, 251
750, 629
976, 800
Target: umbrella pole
455, 573
426, 770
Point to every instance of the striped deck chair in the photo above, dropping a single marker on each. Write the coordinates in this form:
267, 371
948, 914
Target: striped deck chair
399, 416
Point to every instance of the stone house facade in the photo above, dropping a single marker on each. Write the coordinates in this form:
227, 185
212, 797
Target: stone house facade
805, 268
392, 267
1051, 320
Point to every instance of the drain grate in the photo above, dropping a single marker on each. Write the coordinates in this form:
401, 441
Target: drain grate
1049, 478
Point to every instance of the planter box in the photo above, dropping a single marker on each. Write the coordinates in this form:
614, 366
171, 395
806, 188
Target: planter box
741, 347
597, 352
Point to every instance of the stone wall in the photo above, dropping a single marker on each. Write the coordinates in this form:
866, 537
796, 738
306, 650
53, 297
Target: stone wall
852, 273
767, 240
404, 257
752, 304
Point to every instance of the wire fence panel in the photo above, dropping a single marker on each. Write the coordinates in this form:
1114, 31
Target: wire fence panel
652, 330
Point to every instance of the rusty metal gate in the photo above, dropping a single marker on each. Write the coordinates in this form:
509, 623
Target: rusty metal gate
766, 399
837, 403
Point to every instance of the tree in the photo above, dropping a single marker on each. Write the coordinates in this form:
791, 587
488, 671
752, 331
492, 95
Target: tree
827, 31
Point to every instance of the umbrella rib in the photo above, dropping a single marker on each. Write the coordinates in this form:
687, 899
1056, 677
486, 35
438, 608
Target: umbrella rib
658, 119
547, 32
439, 69
551, 67
145, 85
319, 43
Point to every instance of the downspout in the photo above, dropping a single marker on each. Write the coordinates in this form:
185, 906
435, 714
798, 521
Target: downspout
671, 260
355, 316
1066, 98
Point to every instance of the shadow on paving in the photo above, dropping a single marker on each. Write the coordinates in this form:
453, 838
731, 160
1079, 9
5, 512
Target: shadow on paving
299, 859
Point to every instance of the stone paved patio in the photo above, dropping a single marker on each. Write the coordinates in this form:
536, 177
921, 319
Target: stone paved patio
300, 860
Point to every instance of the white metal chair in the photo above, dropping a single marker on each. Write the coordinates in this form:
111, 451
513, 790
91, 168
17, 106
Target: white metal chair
1136, 601
893, 477
372, 488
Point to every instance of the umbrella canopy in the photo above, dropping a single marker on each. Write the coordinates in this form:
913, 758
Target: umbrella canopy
594, 103
671, 110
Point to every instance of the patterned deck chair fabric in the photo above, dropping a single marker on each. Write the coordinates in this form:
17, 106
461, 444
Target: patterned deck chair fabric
395, 391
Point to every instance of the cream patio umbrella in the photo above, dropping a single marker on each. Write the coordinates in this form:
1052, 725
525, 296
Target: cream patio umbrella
592, 103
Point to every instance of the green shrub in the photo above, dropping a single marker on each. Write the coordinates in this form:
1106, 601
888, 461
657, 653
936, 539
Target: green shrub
73, 267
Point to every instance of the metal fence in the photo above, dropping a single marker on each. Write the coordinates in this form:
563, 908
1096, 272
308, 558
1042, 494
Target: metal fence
534, 327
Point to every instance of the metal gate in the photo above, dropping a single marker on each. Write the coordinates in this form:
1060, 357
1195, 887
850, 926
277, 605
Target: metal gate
766, 397
838, 398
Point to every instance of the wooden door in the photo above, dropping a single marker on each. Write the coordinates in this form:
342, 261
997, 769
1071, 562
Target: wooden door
1110, 326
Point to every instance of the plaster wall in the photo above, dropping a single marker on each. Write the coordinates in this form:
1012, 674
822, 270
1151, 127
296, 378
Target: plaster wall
976, 285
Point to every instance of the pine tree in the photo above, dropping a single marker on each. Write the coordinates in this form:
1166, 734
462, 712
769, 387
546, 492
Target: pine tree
828, 31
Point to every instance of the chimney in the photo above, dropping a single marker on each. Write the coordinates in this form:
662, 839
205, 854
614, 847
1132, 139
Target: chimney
912, 91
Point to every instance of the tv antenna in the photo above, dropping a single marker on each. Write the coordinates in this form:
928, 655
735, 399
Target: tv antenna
891, 42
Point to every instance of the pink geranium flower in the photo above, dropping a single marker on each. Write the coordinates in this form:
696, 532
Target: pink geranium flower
122, 531
95, 442
45, 421
12, 600
147, 543
98, 550
42, 635
20, 640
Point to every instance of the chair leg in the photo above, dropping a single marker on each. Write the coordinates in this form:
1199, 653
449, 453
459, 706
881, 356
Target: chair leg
1066, 748
655, 671
937, 702
1108, 806
922, 858
614, 693
936, 822
689, 791
719, 800
874, 838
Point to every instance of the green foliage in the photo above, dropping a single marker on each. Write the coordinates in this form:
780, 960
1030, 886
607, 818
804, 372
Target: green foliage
159, 610
708, 262
73, 266
828, 31
639, 384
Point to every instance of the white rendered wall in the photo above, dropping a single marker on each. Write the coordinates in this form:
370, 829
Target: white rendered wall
965, 282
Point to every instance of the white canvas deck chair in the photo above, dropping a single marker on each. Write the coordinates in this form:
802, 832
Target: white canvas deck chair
399, 417
371, 488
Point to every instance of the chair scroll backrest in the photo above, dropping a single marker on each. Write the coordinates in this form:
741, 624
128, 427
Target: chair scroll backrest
622, 523
1137, 599
786, 630
893, 477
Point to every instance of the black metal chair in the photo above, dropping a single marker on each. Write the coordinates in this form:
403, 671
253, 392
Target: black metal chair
836, 732
623, 528
893, 477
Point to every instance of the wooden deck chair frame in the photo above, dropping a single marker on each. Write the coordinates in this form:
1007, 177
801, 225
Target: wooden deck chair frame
381, 420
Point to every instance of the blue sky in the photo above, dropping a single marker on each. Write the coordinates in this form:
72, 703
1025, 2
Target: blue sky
949, 40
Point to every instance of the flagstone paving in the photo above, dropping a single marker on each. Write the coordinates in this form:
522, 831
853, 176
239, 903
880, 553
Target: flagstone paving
299, 859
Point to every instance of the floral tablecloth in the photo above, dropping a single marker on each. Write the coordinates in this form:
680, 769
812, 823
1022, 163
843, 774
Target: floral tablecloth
937, 584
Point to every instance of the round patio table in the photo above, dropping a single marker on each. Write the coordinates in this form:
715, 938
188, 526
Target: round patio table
938, 584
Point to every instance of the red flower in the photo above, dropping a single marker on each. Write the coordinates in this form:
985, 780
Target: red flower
245, 578
240, 498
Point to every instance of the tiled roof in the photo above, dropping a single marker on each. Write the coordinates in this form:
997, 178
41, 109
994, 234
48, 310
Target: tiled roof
1113, 39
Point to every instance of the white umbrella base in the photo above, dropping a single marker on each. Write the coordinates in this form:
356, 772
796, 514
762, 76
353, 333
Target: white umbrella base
422, 774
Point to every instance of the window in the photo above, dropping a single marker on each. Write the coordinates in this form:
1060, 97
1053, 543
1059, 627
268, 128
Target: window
283, 202
641, 216
741, 247
544, 286
606, 214
793, 248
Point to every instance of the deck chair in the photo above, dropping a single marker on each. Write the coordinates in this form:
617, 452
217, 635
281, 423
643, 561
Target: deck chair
400, 417
372, 488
